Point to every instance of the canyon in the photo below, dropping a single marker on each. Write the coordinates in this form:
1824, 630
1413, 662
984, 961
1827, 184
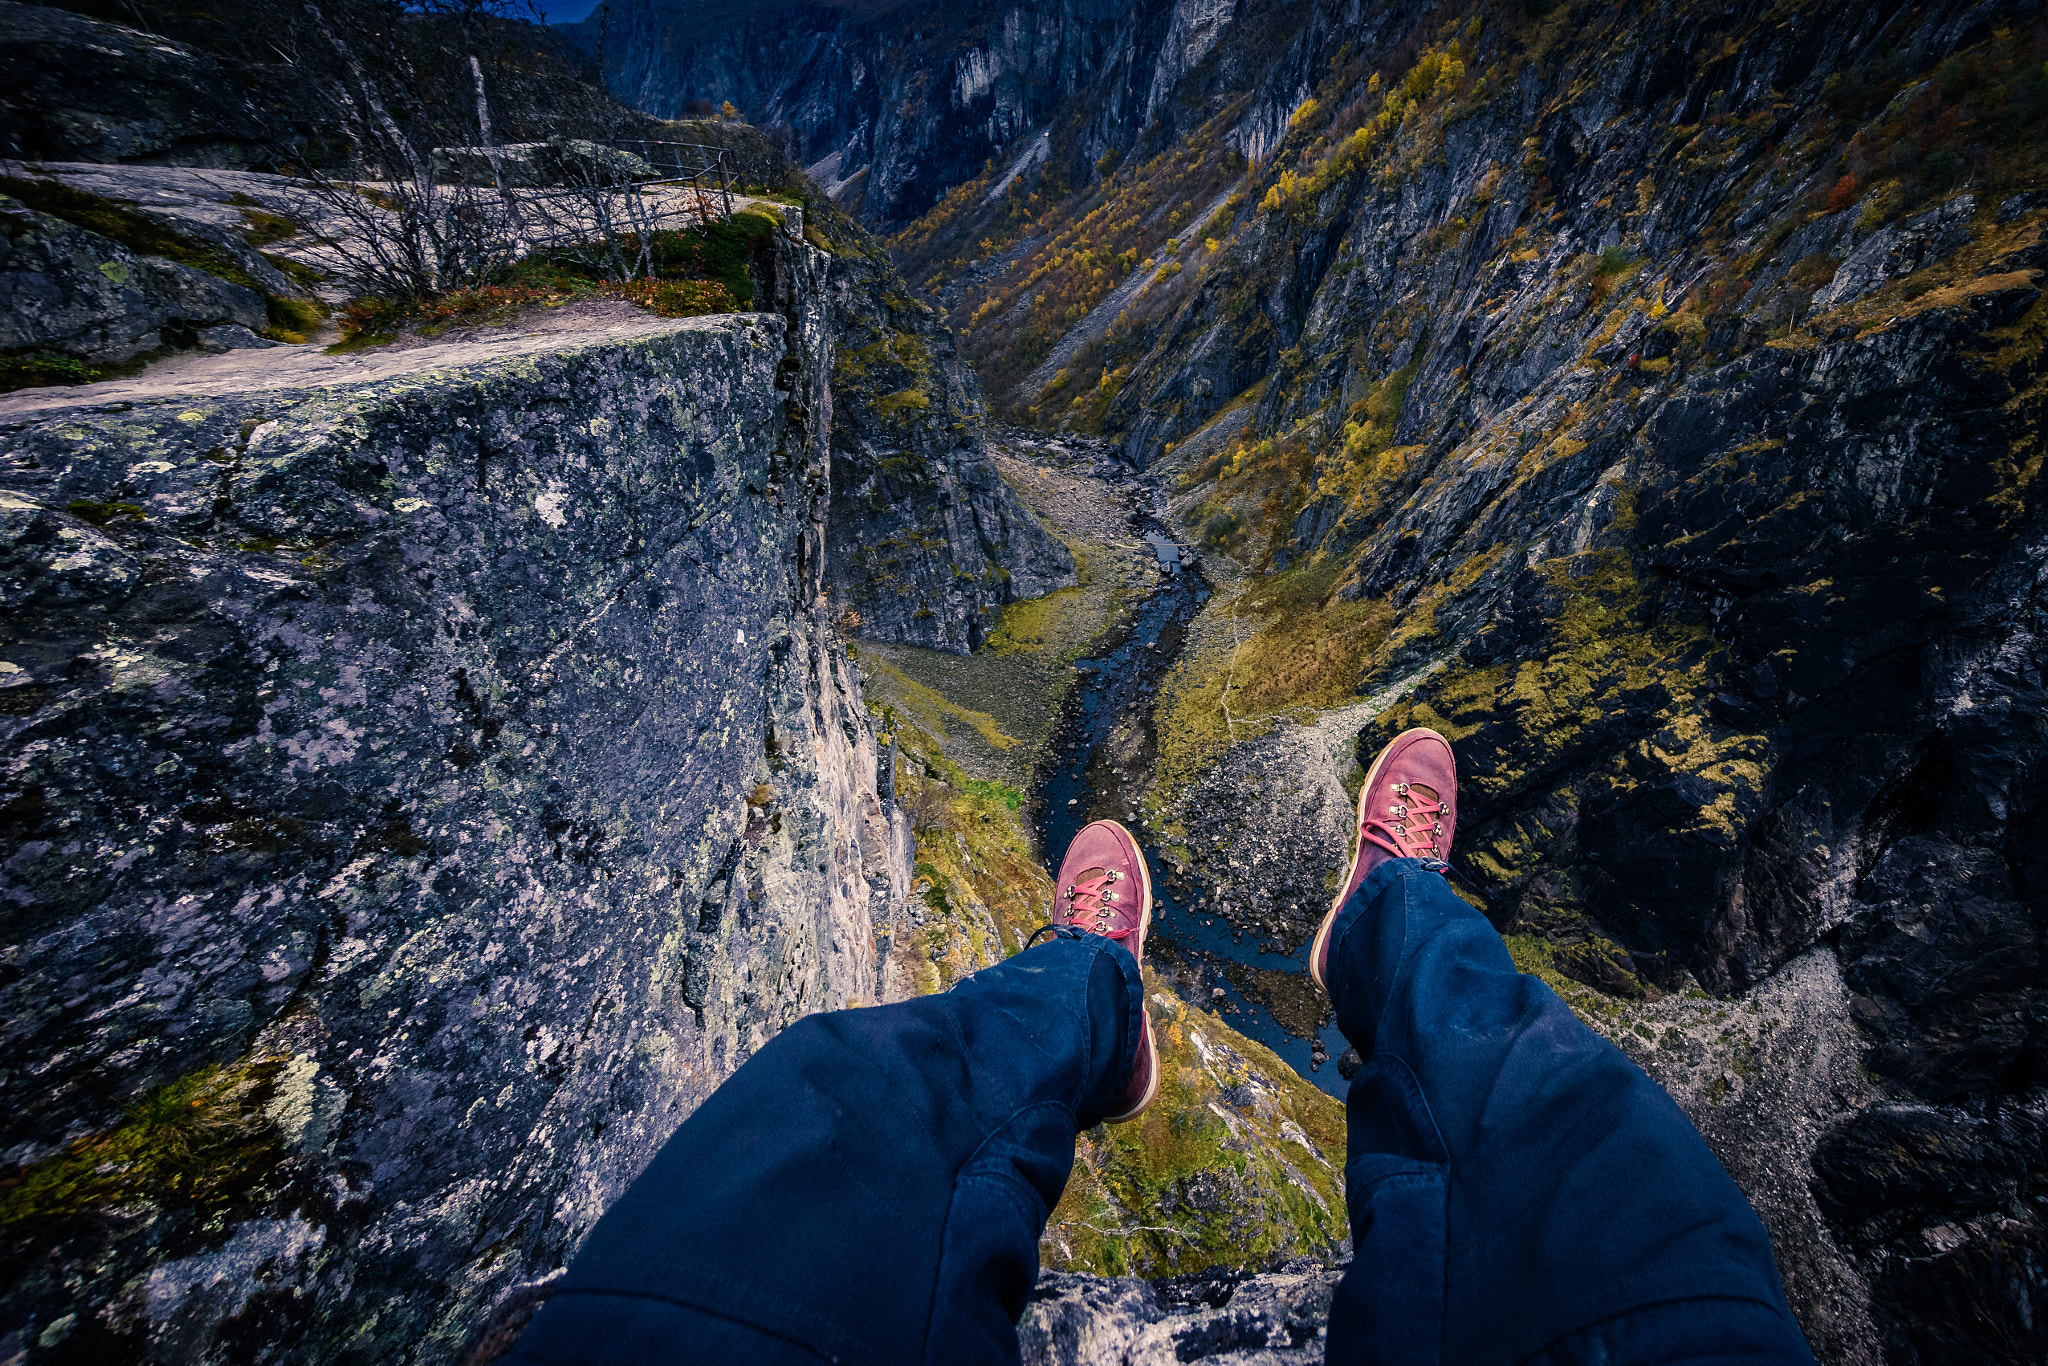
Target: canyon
432, 768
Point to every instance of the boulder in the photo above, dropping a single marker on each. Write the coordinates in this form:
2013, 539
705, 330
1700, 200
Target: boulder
82, 90
229, 337
68, 289
1273, 1318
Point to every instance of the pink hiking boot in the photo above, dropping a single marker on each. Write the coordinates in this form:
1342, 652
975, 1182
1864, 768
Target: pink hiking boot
1104, 888
1408, 808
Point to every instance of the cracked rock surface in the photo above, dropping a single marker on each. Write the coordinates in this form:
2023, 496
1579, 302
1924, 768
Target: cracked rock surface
421, 789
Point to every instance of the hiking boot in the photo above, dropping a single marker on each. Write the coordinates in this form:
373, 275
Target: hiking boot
1407, 809
1104, 888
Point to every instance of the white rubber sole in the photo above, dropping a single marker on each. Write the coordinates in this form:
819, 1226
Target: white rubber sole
1315, 950
1145, 877
1144, 1015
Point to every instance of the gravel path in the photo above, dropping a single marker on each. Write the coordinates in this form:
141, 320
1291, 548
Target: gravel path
311, 367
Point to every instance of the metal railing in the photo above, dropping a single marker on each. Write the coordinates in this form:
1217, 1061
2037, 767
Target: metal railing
699, 165
597, 199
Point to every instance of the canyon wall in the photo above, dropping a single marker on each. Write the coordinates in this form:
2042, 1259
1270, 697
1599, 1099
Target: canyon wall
925, 543
894, 105
1651, 400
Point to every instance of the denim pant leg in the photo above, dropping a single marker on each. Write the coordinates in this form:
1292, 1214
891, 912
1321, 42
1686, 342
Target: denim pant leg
869, 1187
1512, 1179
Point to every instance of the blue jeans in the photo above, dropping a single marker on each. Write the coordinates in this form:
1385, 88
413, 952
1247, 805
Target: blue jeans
871, 1186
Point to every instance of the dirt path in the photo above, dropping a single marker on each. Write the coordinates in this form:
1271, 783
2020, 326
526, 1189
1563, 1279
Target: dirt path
311, 367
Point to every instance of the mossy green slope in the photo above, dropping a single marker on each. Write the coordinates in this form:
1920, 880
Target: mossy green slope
1239, 1161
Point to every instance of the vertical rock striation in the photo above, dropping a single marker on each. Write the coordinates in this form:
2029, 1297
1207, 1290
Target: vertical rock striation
420, 792
894, 105
926, 542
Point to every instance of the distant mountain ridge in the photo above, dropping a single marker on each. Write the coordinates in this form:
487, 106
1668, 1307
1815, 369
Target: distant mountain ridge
913, 99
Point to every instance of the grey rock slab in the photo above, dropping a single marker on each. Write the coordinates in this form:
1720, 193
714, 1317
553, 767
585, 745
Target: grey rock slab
68, 289
1899, 250
307, 368
230, 337
1271, 1318
447, 745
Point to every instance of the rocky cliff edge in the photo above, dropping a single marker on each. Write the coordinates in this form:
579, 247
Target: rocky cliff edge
421, 790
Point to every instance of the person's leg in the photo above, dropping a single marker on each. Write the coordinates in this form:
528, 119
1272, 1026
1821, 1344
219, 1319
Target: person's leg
871, 1185
1512, 1179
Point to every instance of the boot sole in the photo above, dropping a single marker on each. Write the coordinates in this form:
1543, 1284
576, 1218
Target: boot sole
1145, 1015
1315, 950
1151, 1087
1145, 877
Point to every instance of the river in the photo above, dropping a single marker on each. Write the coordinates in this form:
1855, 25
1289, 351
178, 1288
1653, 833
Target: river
1082, 782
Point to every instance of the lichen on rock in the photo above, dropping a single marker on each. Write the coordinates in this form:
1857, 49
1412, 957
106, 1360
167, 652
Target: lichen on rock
444, 779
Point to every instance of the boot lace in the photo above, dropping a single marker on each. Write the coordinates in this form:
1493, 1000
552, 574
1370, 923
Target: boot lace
1410, 827
1091, 893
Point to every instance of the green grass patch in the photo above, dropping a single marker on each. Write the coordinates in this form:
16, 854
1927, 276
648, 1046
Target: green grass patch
1286, 644
293, 320
298, 271
1043, 625
201, 1140
99, 514
261, 228
43, 368
901, 403
930, 707
1011, 798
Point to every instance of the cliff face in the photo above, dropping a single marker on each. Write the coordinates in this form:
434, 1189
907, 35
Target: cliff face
893, 105
925, 542
421, 789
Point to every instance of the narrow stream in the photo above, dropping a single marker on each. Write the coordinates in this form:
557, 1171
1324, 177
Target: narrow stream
1189, 946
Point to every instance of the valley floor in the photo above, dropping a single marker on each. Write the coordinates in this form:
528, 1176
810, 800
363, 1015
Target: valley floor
1238, 1165
1250, 839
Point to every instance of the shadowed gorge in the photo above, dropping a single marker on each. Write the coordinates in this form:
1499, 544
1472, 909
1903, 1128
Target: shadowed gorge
1650, 400
446, 735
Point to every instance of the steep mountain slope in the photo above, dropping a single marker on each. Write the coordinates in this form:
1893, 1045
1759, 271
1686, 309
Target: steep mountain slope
1652, 400
893, 104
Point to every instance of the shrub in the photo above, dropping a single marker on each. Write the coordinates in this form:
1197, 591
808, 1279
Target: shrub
42, 368
902, 403
681, 298
1957, 76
